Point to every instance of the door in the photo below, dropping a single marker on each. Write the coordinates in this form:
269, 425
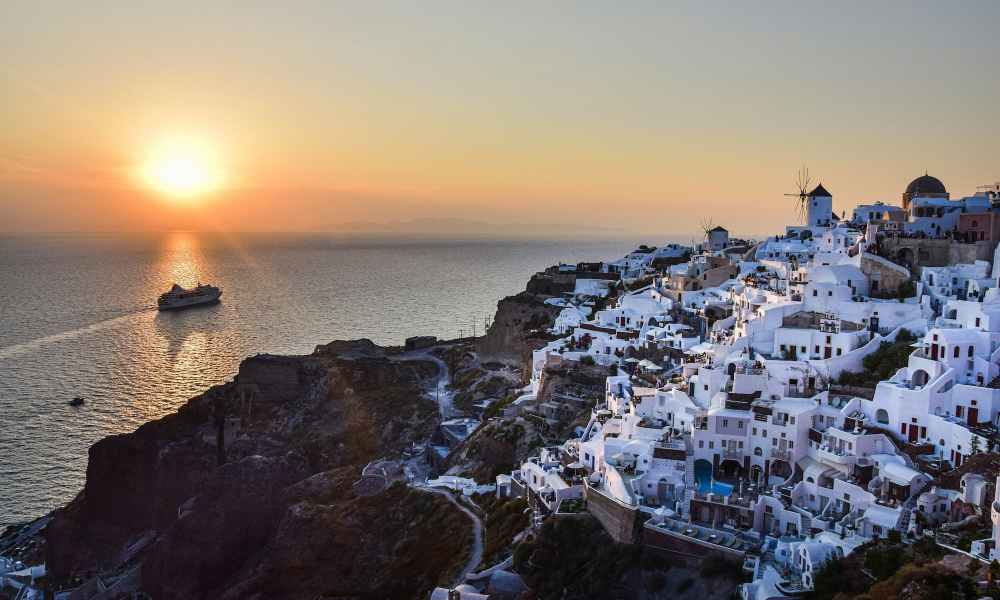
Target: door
973, 415
913, 433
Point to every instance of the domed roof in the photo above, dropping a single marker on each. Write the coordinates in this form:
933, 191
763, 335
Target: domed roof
925, 184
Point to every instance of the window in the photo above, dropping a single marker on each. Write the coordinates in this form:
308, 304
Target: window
701, 443
725, 422
840, 351
971, 350
815, 293
791, 420
711, 445
957, 351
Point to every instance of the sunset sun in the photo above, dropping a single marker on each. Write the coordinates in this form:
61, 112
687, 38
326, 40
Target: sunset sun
182, 169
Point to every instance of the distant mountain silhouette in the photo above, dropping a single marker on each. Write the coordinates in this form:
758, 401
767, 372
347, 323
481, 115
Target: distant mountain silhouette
465, 227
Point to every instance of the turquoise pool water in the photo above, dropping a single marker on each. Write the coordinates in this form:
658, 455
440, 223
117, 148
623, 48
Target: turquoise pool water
703, 475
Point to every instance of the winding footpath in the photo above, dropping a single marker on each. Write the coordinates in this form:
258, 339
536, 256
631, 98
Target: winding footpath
440, 389
444, 398
476, 554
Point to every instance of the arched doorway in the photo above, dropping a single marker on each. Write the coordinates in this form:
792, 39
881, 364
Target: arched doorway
882, 416
905, 257
730, 470
780, 469
703, 474
920, 378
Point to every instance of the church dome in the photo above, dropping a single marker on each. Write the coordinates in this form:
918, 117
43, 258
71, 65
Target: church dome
925, 185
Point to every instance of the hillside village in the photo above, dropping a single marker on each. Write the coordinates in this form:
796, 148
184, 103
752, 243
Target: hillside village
811, 414
781, 403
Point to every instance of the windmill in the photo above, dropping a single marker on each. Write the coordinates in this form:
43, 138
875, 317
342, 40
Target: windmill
802, 181
707, 225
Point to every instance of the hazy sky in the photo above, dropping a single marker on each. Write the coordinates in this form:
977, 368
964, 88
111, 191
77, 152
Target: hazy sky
642, 116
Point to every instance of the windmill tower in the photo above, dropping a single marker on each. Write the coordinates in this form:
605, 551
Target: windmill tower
716, 238
801, 198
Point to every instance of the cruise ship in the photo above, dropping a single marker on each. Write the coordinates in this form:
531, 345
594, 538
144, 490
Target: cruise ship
179, 297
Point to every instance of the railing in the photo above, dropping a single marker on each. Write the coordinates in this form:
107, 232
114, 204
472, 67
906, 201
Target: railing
733, 453
781, 454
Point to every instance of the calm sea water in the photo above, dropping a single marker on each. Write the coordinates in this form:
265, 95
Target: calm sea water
77, 319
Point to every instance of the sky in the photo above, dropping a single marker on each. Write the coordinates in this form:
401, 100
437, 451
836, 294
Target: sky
638, 117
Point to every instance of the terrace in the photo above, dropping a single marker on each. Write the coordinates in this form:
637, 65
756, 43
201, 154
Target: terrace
814, 320
724, 540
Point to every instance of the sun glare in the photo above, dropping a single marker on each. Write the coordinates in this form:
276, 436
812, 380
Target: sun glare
182, 169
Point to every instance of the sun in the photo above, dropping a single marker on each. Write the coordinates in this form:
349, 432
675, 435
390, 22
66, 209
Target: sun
182, 168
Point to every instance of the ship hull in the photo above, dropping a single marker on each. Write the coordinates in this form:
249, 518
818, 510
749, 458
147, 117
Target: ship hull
183, 303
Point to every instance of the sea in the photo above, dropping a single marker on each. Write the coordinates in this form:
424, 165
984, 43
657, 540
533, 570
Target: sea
78, 318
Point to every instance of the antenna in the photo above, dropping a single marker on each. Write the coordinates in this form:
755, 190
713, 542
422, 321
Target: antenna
802, 181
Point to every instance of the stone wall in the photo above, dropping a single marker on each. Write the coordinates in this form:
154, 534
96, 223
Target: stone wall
918, 252
884, 276
619, 520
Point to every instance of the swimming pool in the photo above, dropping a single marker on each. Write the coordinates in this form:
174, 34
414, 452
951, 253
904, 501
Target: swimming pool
703, 476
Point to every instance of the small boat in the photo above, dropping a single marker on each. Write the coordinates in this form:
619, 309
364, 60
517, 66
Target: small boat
179, 297
77, 401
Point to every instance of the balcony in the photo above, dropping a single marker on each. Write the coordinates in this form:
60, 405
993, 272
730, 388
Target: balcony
733, 453
835, 455
781, 453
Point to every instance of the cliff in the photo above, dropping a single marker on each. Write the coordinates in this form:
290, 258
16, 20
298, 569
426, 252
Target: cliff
246, 491
518, 327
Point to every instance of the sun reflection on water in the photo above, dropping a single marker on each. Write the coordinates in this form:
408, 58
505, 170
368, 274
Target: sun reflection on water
181, 260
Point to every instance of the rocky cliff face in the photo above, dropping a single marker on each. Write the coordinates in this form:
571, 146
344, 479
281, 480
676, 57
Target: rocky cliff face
246, 491
518, 328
